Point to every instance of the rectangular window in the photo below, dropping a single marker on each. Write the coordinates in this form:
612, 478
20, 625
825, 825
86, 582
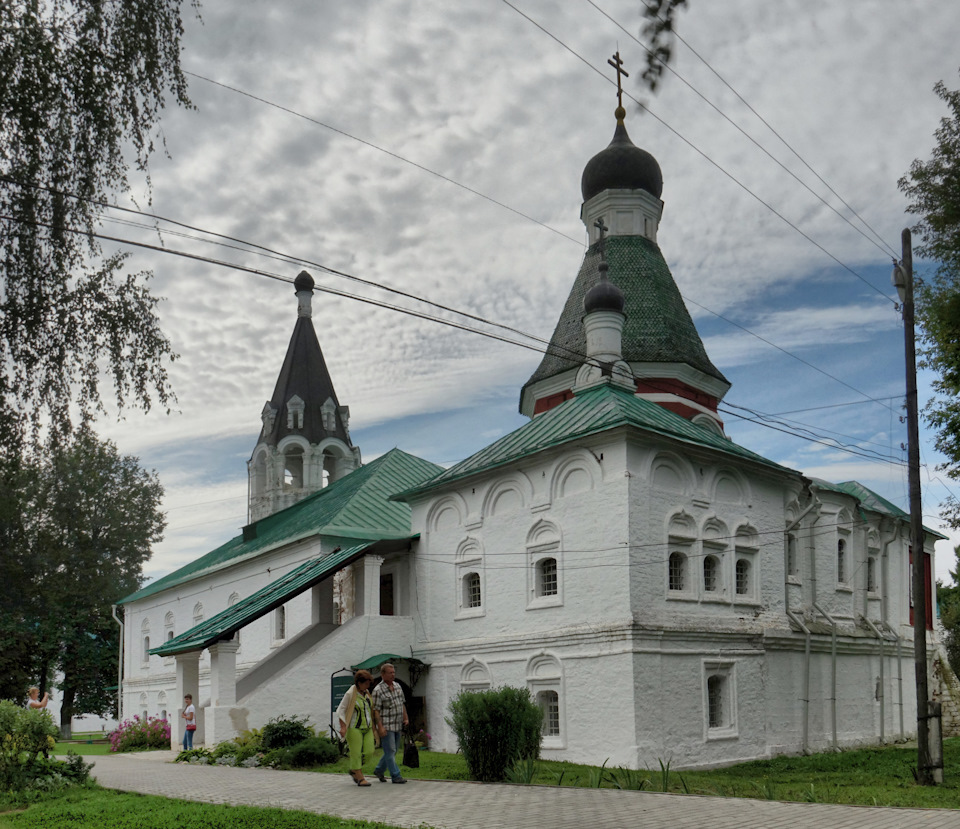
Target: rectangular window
715, 701
743, 577
547, 581
471, 585
678, 566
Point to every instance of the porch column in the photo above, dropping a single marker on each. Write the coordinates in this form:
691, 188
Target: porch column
368, 590
223, 673
188, 682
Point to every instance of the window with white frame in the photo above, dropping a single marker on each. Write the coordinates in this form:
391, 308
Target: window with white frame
793, 555
711, 574
145, 641
747, 555
295, 407
544, 570
842, 563
677, 576
549, 702
546, 577
545, 683
744, 577
469, 579
719, 700
280, 624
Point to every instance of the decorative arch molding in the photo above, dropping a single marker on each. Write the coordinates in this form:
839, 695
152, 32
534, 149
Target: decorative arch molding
293, 440
498, 495
543, 532
873, 538
475, 676
575, 474
844, 521
709, 423
682, 525
729, 486
198, 612
747, 536
447, 512
543, 666
162, 698
470, 549
145, 626
715, 532
671, 472
334, 446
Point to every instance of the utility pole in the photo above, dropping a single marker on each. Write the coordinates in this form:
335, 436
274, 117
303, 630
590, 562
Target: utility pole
903, 280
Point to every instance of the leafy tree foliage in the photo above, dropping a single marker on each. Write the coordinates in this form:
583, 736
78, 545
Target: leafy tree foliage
89, 519
948, 600
659, 20
934, 188
82, 85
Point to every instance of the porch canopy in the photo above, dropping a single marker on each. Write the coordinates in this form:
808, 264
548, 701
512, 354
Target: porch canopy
223, 626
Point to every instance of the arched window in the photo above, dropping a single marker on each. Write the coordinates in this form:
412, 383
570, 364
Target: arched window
711, 568
546, 577
472, 597
145, 641
545, 683
678, 572
293, 467
549, 702
871, 574
743, 577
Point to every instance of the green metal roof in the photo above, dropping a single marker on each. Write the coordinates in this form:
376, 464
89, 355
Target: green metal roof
591, 411
356, 506
870, 500
223, 625
658, 327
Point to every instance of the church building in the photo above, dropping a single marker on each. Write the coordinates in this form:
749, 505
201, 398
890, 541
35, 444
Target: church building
663, 593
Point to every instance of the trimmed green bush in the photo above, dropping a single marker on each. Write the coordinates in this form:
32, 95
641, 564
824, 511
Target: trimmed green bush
26, 735
314, 751
495, 729
284, 732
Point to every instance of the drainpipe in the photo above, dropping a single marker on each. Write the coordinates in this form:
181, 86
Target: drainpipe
113, 612
805, 739
833, 673
883, 691
885, 613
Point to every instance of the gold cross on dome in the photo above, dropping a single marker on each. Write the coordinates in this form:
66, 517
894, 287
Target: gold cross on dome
617, 64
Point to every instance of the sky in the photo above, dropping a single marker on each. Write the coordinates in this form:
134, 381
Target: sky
437, 148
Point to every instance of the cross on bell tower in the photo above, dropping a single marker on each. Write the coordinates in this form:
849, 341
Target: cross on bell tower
617, 64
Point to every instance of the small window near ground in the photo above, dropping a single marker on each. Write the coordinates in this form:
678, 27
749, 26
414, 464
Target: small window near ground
549, 702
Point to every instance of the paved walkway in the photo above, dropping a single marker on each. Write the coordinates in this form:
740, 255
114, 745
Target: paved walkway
458, 805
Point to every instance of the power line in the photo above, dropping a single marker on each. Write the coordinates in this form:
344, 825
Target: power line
770, 127
704, 155
882, 246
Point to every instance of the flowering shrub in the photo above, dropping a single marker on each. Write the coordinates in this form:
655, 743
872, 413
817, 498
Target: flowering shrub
140, 734
421, 738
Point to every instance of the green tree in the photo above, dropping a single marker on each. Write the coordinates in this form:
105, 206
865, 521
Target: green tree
90, 519
934, 189
659, 21
82, 85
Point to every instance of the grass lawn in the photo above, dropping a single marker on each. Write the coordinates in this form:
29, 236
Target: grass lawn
81, 748
866, 777
93, 808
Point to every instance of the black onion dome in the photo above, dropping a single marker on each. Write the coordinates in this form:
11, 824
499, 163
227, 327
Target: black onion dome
303, 282
604, 296
621, 166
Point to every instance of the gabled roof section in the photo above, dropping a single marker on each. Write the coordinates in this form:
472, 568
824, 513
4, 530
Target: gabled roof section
658, 328
870, 500
356, 506
225, 623
589, 412
304, 374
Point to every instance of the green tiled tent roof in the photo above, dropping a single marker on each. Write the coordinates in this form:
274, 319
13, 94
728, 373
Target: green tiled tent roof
260, 603
356, 506
589, 412
658, 328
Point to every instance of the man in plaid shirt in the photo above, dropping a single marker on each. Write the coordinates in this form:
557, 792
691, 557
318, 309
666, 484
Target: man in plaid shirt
390, 717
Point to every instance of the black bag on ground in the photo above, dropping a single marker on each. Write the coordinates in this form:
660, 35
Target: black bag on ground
411, 754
